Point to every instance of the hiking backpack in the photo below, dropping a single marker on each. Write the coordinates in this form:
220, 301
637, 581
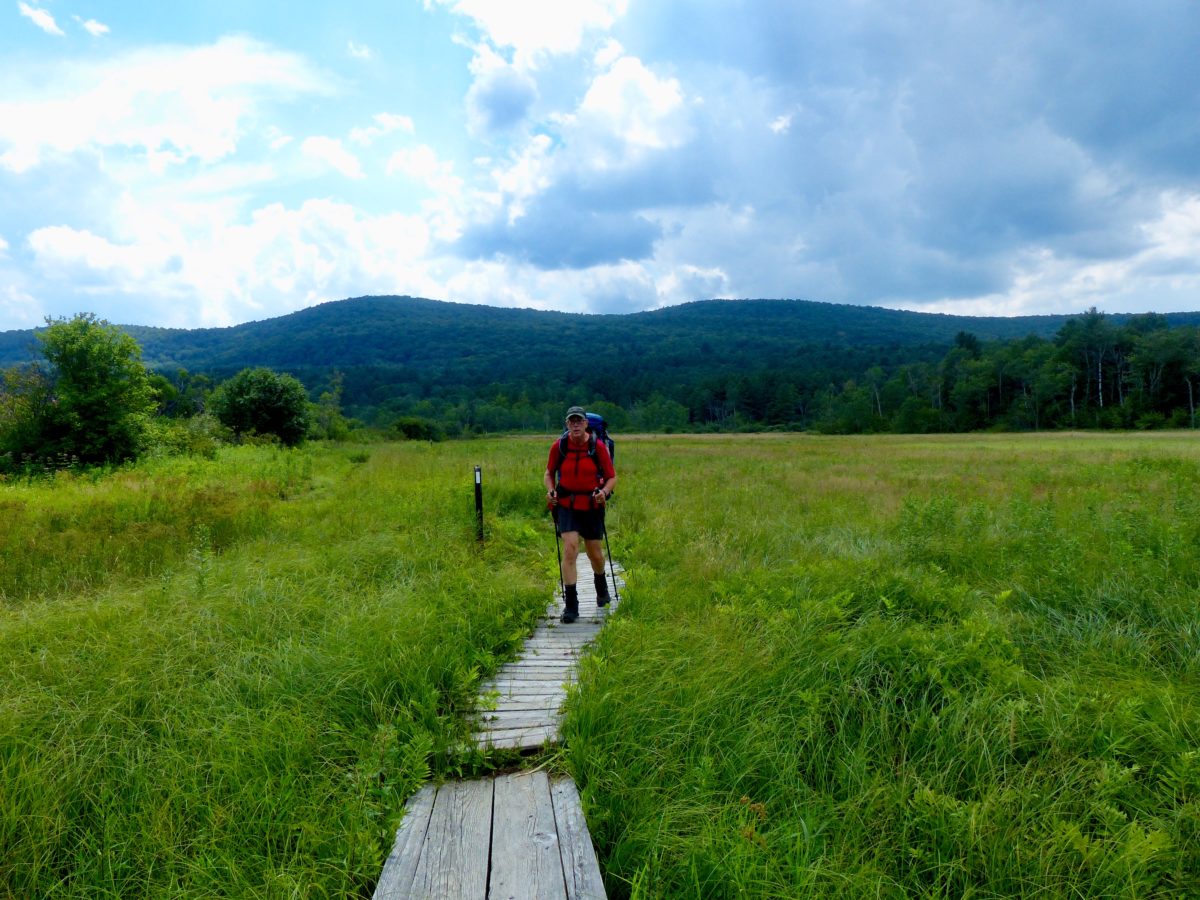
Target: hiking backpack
597, 431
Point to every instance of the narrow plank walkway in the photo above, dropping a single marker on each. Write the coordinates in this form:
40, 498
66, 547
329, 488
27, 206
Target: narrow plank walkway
521, 705
512, 836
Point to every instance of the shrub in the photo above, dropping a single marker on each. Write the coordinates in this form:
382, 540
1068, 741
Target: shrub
91, 400
201, 435
260, 401
414, 428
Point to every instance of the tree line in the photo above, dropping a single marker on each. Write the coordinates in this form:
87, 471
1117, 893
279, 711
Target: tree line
90, 399
1094, 372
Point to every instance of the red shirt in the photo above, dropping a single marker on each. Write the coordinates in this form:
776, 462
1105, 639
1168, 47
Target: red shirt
580, 475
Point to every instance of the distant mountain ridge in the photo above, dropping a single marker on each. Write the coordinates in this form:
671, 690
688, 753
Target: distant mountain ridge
419, 333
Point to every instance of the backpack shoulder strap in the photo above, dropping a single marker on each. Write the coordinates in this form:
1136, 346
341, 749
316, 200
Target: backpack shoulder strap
562, 453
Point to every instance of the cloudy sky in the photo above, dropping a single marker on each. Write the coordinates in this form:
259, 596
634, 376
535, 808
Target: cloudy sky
208, 163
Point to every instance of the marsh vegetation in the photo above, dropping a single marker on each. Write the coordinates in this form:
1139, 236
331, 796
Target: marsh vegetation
890, 666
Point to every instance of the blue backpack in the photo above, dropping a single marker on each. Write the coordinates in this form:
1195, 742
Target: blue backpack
597, 431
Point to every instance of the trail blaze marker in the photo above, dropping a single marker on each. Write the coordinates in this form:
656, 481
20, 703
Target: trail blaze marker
479, 504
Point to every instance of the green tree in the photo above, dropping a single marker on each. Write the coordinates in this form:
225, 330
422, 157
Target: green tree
328, 421
260, 401
24, 394
91, 400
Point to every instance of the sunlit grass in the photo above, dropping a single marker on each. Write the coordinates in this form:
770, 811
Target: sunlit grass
248, 720
900, 667
842, 667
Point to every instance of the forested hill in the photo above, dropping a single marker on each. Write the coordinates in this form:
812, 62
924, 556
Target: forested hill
710, 364
417, 333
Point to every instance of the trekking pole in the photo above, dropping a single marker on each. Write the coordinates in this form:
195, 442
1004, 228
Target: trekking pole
612, 574
558, 552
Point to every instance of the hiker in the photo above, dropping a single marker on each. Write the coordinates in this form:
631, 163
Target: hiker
578, 485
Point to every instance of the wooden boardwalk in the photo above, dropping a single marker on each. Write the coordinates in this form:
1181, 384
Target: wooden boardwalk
511, 836
520, 706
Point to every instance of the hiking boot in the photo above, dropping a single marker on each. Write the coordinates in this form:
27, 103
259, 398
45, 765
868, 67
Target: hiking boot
602, 597
570, 605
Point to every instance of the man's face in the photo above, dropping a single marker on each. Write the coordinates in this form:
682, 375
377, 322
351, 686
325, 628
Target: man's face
577, 425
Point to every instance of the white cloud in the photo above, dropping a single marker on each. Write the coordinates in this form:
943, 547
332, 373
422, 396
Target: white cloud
444, 210
1164, 275
781, 125
3, 246
331, 152
421, 164
385, 123
206, 271
92, 27
687, 282
608, 54
173, 104
531, 27
85, 253
19, 309
276, 138
358, 51
531, 171
622, 287
40, 18
501, 94
633, 104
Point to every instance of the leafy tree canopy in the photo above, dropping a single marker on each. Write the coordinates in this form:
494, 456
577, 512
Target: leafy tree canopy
90, 401
261, 401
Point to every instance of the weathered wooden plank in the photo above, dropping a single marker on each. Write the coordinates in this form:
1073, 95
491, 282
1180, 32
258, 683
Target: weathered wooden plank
558, 663
395, 883
517, 704
524, 689
454, 861
578, 630
534, 731
540, 718
522, 738
526, 704
580, 868
535, 664
533, 674
525, 740
526, 860
534, 701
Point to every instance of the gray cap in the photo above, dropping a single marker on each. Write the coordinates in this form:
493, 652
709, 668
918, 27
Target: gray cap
576, 411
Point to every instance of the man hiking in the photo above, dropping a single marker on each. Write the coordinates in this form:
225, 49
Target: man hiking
579, 480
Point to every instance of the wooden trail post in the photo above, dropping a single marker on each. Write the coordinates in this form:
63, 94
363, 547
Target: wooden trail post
479, 504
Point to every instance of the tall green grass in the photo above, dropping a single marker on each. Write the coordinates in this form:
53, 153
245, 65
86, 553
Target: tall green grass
242, 710
842, 667
73, 531
945, 667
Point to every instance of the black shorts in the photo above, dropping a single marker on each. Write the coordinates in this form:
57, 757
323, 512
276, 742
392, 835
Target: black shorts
588, 522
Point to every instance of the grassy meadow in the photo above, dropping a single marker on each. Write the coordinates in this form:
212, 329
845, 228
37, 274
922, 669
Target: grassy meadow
900, 667
222, 678
843, 667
